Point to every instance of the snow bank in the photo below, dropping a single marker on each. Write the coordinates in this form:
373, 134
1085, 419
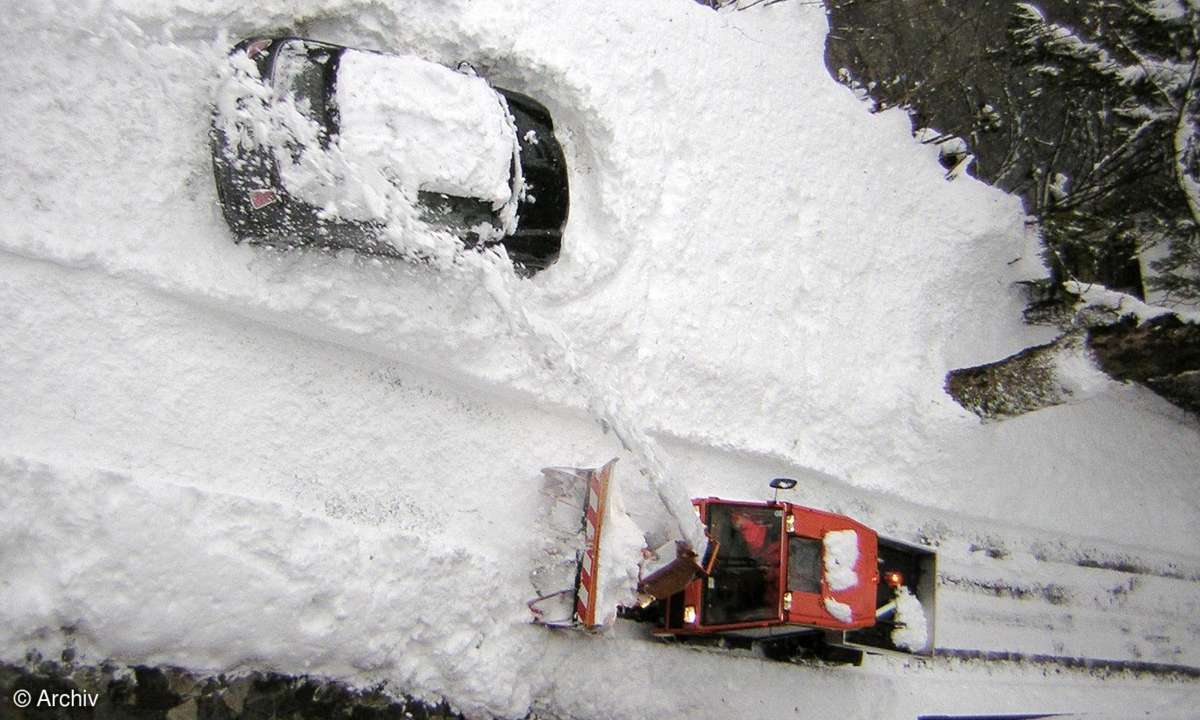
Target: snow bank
911, 632
739, 283
120, 561
841, 554
425, 125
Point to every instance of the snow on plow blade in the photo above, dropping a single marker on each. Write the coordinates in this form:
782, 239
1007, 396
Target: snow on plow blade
569, 582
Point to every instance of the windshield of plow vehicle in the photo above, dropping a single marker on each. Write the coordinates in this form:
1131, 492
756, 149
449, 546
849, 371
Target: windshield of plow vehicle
744, 585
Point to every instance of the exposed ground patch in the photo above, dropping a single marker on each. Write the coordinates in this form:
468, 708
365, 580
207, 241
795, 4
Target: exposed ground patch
1076, 108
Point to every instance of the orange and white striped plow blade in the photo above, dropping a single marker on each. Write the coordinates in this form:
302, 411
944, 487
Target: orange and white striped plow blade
568, 589
589, 565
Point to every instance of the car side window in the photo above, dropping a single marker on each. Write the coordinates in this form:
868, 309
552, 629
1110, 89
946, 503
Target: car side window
302, 71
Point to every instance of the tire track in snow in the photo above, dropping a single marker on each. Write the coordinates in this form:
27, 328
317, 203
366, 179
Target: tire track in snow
1052, 609
1090, 666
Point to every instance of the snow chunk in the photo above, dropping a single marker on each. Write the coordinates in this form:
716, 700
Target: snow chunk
1029, 13
1059, 187
1125, 304
841, 553
429, 127
1167, 9
1076, 373
839, 610
621, 543
912, 631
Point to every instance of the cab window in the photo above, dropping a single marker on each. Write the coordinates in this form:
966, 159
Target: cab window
804, 565
744, 585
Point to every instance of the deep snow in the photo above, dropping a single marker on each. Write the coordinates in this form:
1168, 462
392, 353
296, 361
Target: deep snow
226, 457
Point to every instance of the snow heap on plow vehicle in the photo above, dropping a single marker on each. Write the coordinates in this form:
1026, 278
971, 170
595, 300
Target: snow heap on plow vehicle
793, 579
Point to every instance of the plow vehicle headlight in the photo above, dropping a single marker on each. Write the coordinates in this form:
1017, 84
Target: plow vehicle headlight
689, 614
787, 601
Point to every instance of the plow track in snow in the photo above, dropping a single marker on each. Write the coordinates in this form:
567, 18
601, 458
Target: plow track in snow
1068, 614
1088, 665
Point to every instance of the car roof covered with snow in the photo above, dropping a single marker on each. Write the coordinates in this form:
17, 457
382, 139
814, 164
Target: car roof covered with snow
431, 127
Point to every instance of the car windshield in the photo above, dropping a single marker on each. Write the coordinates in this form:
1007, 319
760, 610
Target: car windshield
744, 585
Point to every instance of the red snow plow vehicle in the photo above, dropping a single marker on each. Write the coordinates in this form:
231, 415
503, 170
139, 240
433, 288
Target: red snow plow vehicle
793, 579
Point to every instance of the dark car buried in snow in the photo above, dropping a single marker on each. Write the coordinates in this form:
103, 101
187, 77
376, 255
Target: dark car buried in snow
319, 144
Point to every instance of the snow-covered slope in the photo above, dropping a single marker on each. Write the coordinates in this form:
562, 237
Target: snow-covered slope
764, 230
225, 457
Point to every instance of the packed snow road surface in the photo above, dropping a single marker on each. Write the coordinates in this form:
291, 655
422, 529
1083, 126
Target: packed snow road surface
226, 458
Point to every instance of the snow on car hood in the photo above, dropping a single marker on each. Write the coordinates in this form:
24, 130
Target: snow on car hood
425, 125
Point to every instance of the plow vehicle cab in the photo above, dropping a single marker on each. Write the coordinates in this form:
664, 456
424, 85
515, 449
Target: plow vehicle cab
793, 579
799, 579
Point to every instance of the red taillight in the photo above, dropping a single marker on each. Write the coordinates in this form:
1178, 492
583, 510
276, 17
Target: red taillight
259, 199
257, 47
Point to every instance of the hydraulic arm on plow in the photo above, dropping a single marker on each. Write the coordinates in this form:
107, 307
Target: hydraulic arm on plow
789, 577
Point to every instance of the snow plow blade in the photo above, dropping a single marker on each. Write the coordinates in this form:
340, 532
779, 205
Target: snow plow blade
568, 585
